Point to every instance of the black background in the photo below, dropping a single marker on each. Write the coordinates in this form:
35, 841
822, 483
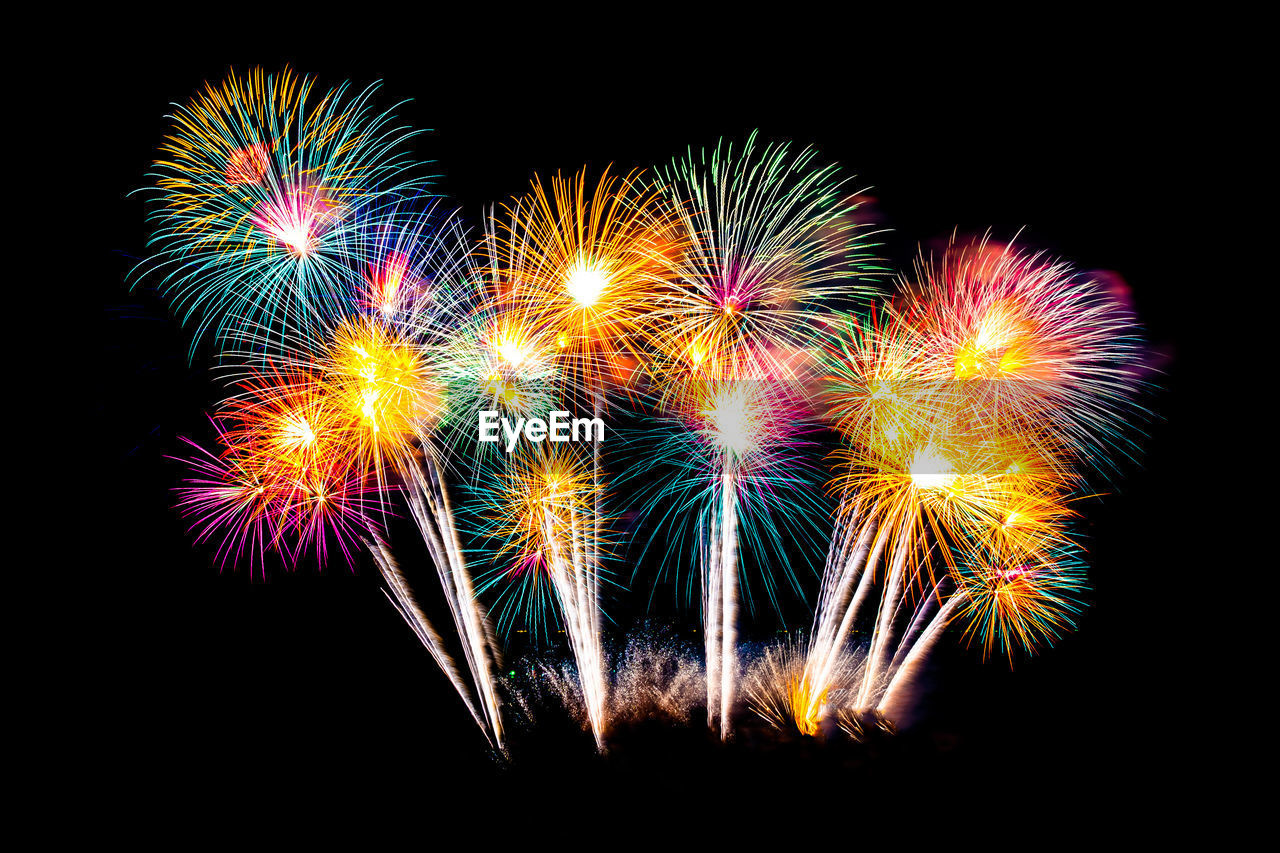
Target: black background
307, 687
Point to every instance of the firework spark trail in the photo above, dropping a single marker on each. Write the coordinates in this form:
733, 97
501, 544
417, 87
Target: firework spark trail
401, 598
742, 478
577, 259
777, 688
728, 627
921, 621
838, 607
711, 604
917, 647
388, 385
579, 611
431, 511
884, 629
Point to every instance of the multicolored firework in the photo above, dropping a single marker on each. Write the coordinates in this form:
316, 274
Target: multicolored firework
960, 453
767, 239
769, 242
260, 199
286, 477
724, 299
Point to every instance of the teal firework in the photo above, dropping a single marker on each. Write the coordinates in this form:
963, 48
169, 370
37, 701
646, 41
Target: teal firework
260, 196
674, 475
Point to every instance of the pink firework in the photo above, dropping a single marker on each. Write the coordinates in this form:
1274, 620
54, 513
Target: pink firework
296, 217
386, 282
229, 499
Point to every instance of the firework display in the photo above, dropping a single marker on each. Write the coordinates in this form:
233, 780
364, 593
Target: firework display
770, 393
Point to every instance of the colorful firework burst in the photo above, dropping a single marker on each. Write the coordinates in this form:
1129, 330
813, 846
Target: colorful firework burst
260, 196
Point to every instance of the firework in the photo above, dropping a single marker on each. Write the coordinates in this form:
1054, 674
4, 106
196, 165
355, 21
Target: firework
367, 330
496, 359
957, 469
544, 514
225, 496
1027, 600
768, 240
260, 195
402, 598
655, 677
583, 260
1029, 345
287, 468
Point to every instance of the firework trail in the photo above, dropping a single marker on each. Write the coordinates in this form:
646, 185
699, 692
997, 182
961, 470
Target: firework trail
401, 598
431, 511
383, 365
543, 514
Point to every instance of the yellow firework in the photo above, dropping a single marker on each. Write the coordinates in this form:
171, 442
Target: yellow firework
381, 382
544, 502
583, 259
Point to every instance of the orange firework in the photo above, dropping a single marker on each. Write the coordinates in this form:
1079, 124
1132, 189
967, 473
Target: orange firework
583, 260
1021, 601
285, 418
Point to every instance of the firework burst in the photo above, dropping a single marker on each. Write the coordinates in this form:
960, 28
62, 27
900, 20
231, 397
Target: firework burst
768, 240
260, 194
